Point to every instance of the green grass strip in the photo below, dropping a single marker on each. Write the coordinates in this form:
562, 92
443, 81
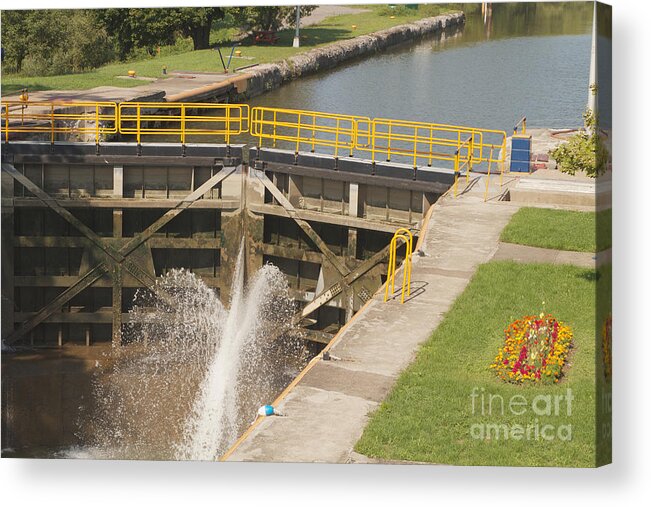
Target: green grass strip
560, 229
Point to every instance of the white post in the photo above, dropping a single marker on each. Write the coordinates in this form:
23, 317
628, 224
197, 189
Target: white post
297, 40
592, 88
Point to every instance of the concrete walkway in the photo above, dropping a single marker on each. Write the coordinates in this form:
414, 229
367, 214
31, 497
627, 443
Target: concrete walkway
327, 410
522, 253
178, 86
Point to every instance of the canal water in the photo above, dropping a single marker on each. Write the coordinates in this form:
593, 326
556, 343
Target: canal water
526, 59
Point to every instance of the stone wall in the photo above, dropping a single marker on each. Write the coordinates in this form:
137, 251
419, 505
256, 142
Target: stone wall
266, 77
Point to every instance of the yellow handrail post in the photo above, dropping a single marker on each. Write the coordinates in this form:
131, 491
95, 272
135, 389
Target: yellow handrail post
52, 123
138, 124
298, 133
456, 172
274, 129
337, 127
6, 123
313, 132
415, 149
183, 124
373, 142
431, 135
469, 162
488, 174
96, 123
502, 160
227, 136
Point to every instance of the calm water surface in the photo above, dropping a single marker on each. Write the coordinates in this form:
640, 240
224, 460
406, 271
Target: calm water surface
528, 60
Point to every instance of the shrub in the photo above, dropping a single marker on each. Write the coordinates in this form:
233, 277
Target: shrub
395, 10
585, 151
535, 350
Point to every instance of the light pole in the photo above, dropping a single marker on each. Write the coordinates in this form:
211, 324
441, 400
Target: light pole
297, 40
592, 88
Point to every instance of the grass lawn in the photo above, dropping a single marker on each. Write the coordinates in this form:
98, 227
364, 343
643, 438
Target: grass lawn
175, 58
428, 416
560, 229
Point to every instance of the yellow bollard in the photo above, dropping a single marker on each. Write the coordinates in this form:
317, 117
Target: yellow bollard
131, 73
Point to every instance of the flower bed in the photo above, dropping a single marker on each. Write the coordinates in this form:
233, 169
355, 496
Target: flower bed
606, 346
535, 350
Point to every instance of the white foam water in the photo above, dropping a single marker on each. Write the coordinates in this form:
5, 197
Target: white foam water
197, 371
215, 419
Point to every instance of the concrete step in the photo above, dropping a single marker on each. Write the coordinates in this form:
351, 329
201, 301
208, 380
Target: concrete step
560, 192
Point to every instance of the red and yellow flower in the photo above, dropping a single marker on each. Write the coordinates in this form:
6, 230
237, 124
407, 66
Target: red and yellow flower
535, 350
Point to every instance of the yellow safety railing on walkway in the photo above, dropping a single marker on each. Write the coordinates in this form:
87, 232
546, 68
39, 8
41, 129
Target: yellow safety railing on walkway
59, 117
407, 237
421, 143
398, 141
182, 120
414, 142
307, 129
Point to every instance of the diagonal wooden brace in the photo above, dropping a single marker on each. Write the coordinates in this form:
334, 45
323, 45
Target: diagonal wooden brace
336, 288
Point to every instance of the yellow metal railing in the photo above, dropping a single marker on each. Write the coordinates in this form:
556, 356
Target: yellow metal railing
416, 143
59, 117
406, 236
183, 120
421, 143
307, 129
522, 123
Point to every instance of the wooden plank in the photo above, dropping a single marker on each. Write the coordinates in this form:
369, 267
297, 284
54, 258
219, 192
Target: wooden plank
81, 242
124, 203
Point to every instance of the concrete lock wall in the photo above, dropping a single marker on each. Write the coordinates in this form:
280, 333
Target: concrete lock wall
120, 195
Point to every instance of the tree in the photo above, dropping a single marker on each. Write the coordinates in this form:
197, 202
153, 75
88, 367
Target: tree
29, 33
269, 18
196, 22
148, 28
42, 42
585, 151
138, 28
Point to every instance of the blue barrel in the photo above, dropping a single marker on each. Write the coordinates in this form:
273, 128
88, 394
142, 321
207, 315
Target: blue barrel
520, 154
